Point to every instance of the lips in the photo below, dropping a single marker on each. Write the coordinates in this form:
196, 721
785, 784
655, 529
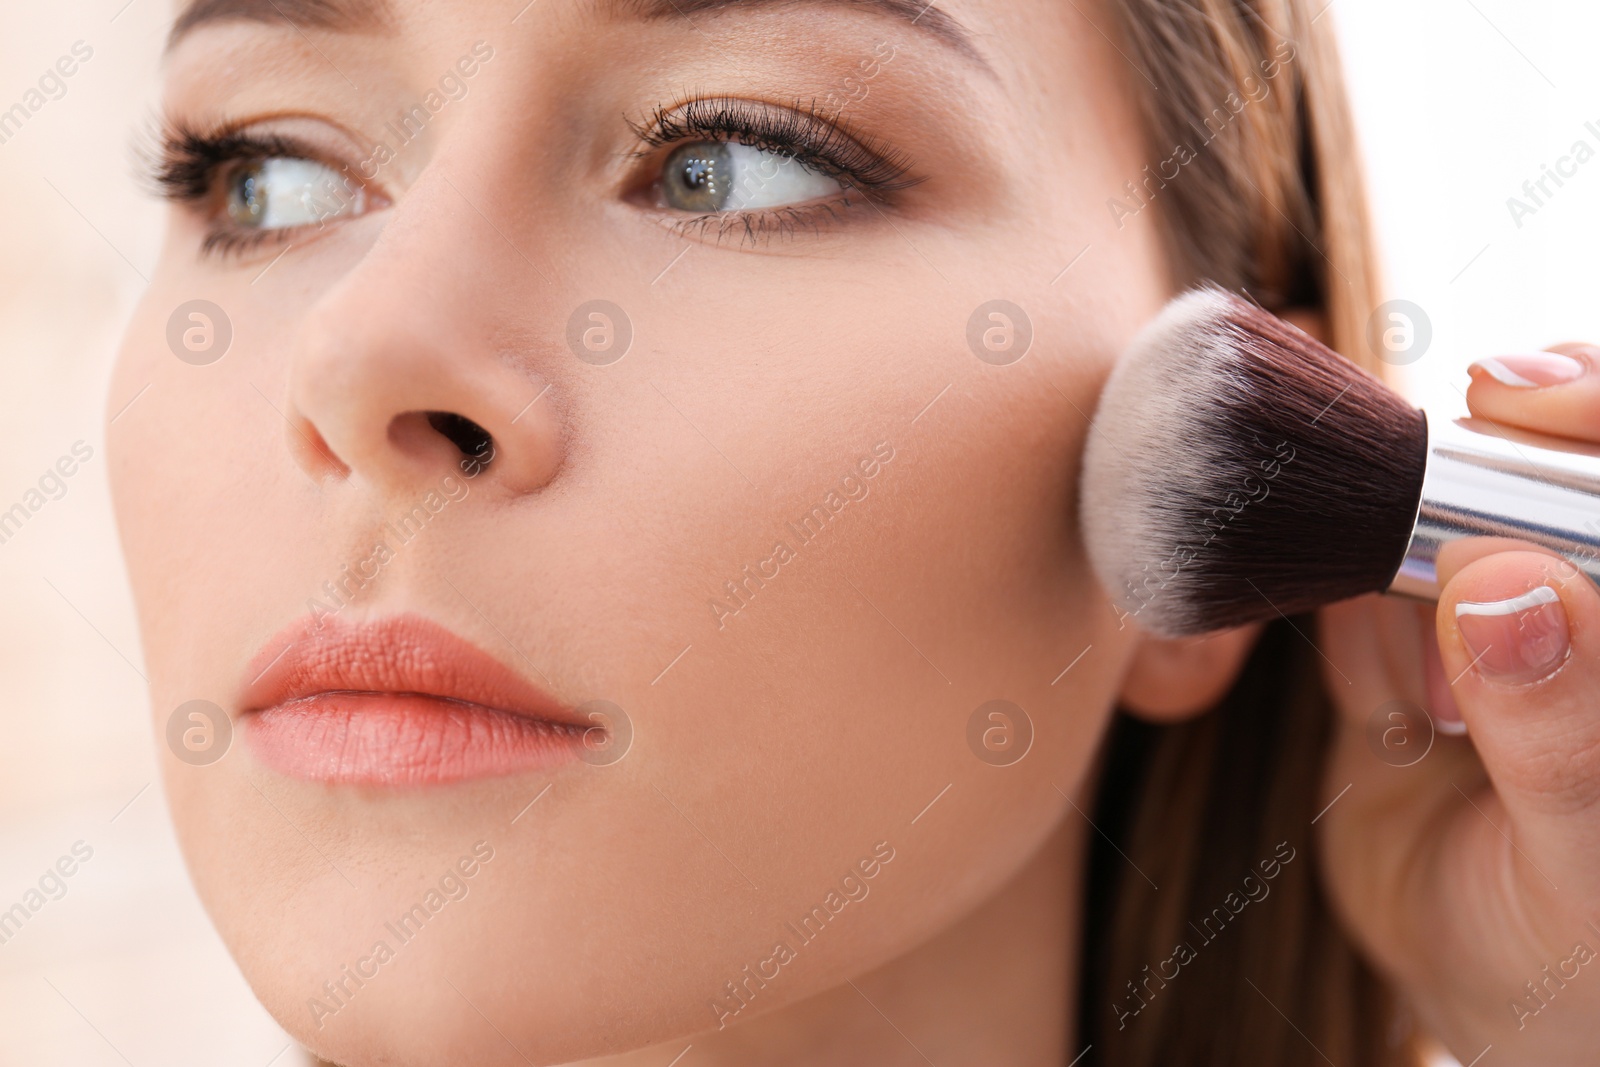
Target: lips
399, 701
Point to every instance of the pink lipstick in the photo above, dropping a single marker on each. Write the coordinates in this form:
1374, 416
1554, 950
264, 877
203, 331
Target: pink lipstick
399, 701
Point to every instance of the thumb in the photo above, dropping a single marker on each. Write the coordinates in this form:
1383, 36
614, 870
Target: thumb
1519, 632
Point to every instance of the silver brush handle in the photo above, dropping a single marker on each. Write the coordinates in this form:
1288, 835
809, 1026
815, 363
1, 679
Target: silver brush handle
1484, 480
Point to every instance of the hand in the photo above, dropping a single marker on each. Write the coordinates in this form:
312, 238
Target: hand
1469, 866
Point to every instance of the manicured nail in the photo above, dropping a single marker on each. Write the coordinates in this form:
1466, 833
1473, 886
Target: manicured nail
1517, 640
1532, 370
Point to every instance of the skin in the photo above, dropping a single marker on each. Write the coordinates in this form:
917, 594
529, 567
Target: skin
782, 747
774, 749
1467, 875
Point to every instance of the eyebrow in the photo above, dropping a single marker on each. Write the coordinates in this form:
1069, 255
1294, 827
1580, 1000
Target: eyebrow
343, 16
922, 14
365, 16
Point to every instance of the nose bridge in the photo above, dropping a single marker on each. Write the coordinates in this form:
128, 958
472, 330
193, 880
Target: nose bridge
397, 374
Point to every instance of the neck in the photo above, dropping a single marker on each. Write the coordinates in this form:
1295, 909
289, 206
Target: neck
997, 988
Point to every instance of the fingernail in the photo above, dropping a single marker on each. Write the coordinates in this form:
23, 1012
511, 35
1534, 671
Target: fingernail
1531, 370
1517, 640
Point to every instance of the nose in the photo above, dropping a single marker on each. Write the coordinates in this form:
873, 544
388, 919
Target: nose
404, 371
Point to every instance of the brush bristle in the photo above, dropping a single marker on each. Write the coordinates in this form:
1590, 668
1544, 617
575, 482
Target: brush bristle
1238, 469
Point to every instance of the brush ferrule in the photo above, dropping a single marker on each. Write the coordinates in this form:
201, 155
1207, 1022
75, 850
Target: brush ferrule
1483, 480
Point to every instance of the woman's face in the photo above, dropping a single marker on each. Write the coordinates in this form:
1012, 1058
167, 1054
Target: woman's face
762, 473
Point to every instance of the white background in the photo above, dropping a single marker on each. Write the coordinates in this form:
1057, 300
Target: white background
1459, 102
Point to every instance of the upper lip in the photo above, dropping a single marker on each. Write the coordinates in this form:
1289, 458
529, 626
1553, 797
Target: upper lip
396, 654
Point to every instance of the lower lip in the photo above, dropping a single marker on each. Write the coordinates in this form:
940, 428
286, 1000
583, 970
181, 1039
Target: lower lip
400, 739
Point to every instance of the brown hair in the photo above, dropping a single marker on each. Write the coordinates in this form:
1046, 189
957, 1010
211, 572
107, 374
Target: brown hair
1237, 957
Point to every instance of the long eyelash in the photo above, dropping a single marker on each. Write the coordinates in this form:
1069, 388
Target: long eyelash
187, 160
185, 165
802, 131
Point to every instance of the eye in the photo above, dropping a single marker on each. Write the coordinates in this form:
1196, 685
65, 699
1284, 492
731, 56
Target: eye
280, 193
717, 176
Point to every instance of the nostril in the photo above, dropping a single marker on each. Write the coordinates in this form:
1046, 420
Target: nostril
472, 440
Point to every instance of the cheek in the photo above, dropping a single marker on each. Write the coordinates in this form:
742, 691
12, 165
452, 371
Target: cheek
835, 652
206, 501
807, 674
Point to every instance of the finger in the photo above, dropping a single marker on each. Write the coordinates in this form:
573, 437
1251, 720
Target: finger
1441, 704
1519, 635
1391, 776
1452, 558
1557, 391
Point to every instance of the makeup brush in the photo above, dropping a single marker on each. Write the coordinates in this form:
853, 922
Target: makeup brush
1238, 469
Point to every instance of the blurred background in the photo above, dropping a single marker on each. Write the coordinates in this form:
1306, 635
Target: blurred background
1459, 101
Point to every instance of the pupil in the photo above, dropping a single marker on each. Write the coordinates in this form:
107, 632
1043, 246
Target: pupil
248, 201
699, 177
698, 174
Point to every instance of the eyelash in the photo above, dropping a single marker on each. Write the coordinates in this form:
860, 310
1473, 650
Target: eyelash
860, 163
190, 164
